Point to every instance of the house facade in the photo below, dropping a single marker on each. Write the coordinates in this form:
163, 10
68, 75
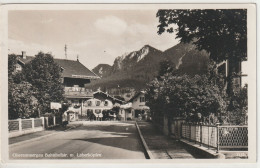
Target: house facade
100, 103
138, 104
127, 112
239, 79
74, 77
135, 108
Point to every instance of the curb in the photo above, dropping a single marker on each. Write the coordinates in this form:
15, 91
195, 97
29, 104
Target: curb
147, 150
207, 152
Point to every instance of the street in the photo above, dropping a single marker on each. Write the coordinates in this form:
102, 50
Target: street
97, 140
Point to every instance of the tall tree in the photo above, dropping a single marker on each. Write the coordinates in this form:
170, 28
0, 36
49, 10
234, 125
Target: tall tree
45, 76
21, 102
221, 32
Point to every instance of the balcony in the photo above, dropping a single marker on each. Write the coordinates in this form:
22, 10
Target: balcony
78, 92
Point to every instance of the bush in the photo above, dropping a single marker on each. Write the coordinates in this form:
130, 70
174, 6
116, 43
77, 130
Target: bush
21, 102
185, 96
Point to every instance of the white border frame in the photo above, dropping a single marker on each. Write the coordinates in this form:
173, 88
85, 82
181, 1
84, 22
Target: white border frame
150, 163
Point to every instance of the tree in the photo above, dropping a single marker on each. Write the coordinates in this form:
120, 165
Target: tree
12, 61
185, 96
166, 66
45, 76
21, 102
155, 99
220, 32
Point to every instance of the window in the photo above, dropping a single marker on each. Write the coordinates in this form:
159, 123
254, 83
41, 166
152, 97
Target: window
97, 103
142, 99
89, 103
106, 103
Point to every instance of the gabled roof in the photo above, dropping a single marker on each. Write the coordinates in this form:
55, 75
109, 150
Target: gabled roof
25, 61
71, 68
109, 96
136, 95
74, 69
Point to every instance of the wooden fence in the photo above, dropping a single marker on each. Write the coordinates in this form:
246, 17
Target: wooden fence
24, 126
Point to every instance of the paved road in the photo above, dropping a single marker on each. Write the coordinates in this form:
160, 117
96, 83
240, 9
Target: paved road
104, 140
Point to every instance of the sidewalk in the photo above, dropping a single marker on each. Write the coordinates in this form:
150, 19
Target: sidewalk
163, 147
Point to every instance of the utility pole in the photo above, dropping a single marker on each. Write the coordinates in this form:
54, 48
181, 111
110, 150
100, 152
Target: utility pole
65, 51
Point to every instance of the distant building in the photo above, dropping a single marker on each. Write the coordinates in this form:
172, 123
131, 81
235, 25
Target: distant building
135, 108
126, 112
100, 102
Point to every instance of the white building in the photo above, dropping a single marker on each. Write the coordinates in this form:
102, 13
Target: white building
97, 105
136, 107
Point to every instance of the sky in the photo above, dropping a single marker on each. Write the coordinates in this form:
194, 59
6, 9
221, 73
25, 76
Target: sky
96, 36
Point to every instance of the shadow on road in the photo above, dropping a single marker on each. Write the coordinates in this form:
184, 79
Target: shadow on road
119, 135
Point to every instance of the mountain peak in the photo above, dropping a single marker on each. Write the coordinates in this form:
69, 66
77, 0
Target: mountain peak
102, 69
149, 47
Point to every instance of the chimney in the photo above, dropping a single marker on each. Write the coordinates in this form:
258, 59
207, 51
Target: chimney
23, 54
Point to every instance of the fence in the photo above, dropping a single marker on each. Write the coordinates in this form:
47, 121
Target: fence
24, 126
219, 137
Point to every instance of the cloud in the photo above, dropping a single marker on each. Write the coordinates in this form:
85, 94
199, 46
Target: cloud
111, 24
138, 28
17, 46
97, 39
